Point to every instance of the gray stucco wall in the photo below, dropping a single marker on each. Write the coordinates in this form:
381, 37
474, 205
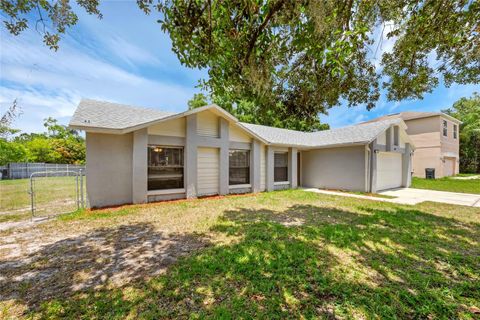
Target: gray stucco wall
109, 169
335, 168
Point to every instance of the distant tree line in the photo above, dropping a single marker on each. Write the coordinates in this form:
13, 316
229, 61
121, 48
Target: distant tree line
58, 144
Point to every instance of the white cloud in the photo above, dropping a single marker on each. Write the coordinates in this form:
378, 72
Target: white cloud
49, 83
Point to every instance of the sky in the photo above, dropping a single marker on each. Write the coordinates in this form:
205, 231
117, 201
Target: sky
126, 58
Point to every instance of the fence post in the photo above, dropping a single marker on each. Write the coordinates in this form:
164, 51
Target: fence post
32, 198
78, 198
81, 188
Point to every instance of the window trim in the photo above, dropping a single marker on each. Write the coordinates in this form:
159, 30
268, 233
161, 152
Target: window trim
445, 128
244, 184
167, 190
288, 165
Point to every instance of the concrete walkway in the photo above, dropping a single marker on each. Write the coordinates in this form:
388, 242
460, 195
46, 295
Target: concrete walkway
421, 195
412, 196
466, 178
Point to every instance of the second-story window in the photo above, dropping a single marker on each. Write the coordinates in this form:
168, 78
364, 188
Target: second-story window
454, 131
445, 130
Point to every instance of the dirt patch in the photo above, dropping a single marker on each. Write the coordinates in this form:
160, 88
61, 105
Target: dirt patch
33, 271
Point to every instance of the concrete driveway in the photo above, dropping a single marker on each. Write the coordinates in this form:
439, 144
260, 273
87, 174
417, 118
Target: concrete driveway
414, 196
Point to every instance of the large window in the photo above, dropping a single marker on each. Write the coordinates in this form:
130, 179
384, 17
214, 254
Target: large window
165, 167
445, 130
281, 167
239, 167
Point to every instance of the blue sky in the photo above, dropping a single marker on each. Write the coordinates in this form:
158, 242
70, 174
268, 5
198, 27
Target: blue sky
126, 58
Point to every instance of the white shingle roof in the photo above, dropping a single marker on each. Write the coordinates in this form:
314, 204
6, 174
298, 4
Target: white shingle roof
108, 115
358, 134
93, 114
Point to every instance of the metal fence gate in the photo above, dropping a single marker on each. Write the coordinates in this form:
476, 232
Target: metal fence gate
56, 192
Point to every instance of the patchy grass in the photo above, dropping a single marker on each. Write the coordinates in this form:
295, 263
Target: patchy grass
14, 217
285, 254
52, 195
447, 184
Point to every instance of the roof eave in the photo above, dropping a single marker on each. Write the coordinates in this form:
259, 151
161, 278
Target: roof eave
96, 129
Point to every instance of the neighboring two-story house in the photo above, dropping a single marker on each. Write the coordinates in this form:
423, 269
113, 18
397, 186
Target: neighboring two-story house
436, 137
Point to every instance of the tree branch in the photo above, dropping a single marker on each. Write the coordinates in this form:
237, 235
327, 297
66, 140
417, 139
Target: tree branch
251, 44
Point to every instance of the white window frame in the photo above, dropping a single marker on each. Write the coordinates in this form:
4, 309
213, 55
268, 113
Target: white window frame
240, 185
167, 190
445, 128
288, 164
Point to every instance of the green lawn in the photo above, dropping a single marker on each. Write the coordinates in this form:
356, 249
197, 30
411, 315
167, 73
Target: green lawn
285, 254
52, 194
447, 184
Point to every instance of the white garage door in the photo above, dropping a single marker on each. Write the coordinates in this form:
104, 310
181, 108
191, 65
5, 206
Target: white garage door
449, 167
208, 171
389, 170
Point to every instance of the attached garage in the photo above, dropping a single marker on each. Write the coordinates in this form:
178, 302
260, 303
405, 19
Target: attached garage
389, 170
208, 171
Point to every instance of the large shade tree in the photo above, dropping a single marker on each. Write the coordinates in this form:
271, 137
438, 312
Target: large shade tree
299, 58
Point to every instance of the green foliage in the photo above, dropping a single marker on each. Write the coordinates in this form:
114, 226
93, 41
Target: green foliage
58, 145
198, 100
300, 58
12, 152
303, 57
467, 110
56, 15
250, 112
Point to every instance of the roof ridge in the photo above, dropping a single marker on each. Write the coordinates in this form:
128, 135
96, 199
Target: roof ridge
117, 104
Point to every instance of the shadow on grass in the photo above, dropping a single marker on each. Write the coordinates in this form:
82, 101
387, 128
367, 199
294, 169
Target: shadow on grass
305, 261
107, 256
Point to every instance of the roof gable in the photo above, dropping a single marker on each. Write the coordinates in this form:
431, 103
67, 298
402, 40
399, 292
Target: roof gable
107, 117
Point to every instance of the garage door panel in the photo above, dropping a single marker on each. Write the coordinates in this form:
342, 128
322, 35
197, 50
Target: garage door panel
208, 171
449, 167
389, 170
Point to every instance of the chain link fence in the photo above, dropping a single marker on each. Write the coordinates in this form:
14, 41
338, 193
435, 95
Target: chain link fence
42, 194
23, 170
53, 193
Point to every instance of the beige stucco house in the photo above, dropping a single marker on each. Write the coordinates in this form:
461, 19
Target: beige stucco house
436, 138
137, 155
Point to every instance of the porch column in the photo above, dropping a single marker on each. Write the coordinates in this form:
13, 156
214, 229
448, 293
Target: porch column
407, 166
139, 166
292, 167
373, 166
190, 157
224, 156
255, 166
270, 168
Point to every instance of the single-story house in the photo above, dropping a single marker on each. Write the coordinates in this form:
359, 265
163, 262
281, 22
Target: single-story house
138, 155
